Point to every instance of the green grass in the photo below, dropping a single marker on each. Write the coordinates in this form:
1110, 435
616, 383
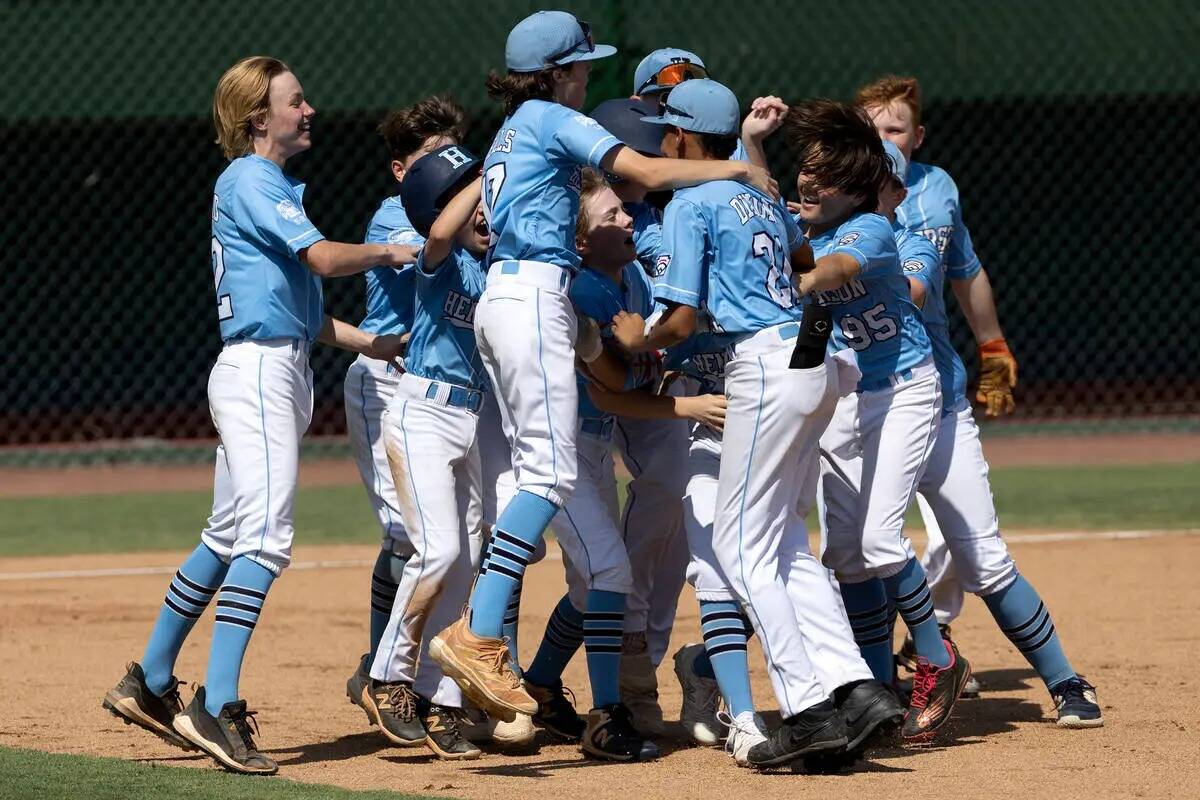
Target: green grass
1087, 498
30, 775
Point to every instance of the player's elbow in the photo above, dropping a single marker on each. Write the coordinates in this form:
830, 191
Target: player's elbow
917, 291
317, 258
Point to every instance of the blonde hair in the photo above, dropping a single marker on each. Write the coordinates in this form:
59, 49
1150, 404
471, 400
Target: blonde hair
591, 182
891, 88
243, 92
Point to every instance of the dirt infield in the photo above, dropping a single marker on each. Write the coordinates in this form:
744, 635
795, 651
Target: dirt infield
65, 641
1002, 451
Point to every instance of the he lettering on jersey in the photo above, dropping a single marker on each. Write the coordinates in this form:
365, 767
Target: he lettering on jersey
843, 294
459, 310
711, 363
748, 206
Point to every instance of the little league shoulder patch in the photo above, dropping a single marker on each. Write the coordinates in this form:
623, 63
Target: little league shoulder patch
661, 264
288, 210
849, 238
912, 265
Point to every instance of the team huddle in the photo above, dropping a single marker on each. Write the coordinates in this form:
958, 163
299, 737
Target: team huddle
628, 280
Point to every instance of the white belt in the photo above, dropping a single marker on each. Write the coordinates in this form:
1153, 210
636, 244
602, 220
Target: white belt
551, 277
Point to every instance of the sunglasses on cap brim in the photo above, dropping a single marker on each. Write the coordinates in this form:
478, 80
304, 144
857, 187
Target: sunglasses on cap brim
586, 45
674, 74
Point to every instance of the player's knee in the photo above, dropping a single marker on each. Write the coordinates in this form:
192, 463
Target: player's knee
990, 575
441, 551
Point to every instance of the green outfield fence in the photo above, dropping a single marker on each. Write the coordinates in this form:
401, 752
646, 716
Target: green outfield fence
1071, 128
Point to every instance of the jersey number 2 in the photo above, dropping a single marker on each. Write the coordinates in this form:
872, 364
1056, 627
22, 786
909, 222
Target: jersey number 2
779, 275
224, 301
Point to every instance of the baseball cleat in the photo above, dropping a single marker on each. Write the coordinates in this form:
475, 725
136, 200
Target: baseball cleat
701, 698
444, 734
555, 712
392, 707
817, 729
132, 702
610, 735
479, 728
639, 690
1077, 705
357, 682
867, 707
907, 658
482, 668
934, 693
745, 731
226, 737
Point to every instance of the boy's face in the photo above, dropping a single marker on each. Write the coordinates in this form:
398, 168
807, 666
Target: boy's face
822, 205
475, 235
894, 121
570, 84
608, 241
891, 195
289, 116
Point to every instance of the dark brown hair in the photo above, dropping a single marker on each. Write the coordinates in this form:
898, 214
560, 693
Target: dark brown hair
514, 88
838, 145
718, 145
890, 88
406, 129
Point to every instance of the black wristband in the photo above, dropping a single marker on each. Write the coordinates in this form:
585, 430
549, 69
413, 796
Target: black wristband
815, 329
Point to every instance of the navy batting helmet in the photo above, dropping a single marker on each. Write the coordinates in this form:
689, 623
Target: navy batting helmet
433, 181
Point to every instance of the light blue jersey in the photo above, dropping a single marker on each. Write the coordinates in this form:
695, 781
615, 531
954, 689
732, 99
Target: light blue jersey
596, 296
702, 356
727, 249
443, 346
921, 261
258, 230
390, 290
932, 210
874, 312
532, 179
647, 233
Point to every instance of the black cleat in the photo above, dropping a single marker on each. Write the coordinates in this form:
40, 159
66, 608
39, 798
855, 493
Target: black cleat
867, 707
555, 712
357, 682
907, 658
1076, 703
132, 702
393, 709
444, 736
610, 735
226, 737
815, 730
935, 691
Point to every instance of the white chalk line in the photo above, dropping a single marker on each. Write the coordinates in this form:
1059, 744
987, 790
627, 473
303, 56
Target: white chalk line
1019, 538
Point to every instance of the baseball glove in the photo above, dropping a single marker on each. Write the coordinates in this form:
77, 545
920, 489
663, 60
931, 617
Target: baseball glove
997, 377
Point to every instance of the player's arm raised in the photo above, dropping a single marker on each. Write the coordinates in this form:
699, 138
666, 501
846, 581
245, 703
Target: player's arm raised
658, 174
765, 117
830, 272
445, 228
338, 259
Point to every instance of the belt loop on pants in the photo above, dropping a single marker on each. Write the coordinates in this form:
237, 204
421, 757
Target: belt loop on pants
600, 428
903, 376
444, 394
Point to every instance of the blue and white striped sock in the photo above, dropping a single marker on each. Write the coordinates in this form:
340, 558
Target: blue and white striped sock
385, 580
726, 631
909, 591
1023, 617
238, 607
190, 591
560, 642
603, 624
871, 619
513, 543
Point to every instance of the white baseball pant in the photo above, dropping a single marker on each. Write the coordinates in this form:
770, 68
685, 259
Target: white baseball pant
873, 456
593, 554
775, 416
525, 327
965, 550
260, 397
435, 464
369, 385
655, 453
495, 460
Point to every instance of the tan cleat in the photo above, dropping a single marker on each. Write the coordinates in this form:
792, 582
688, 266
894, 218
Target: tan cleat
481, 668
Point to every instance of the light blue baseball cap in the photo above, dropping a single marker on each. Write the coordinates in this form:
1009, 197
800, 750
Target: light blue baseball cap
700, 106
896, 161
645, 76
551, 39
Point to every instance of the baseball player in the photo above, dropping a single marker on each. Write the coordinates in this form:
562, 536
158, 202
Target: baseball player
955, 486
727, 253
267, 260
663, 69
875, 448
525, 323
430, 431
409, 134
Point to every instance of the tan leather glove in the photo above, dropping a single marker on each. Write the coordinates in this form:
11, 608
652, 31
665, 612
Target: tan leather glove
997, 377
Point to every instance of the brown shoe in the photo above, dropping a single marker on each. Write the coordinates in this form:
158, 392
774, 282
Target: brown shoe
481, 668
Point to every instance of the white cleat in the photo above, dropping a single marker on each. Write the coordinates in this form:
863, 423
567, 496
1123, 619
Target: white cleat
745, 731
701, 698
